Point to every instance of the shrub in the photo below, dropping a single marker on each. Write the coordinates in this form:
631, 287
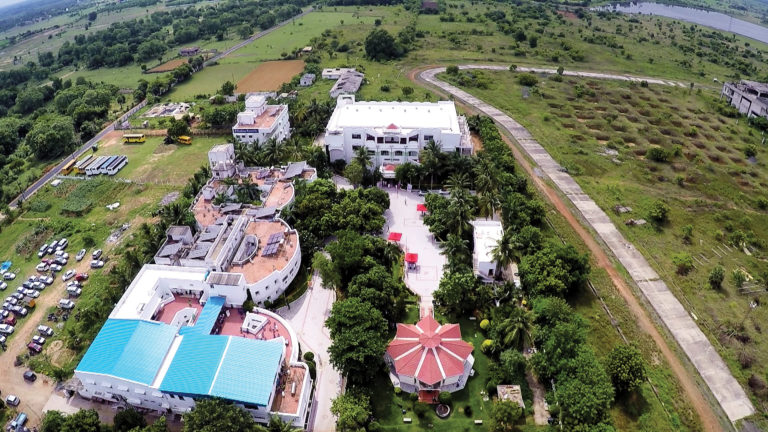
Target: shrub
468, 411
528, 80
687, 231
420, 409
312, 369
684, 263
39, 206
398, 391
659, 212
445, 397
657, 154
716, 277
384, 88
487, 344
513, 67
407, 91
484, 324
452, 70
750, 151
309, 356
762, 203
414, 397
738, 277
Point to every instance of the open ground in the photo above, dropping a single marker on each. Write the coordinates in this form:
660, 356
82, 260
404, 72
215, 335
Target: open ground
168, 66
269, 76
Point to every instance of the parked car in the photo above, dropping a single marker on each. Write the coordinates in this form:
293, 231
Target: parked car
3, 286
75, 284
61, 254
10, 320
56, 268
46, 261
26, 284
30, 376
45, 330
63, 243
80, 255
38, 286
38, 340
74, 291
66, 304
6, 329
61, 261
68, 275
43, 249
2, 339
81, 277
47, 280
12, 300
9, 276
4, 313
32, 293
34, 348
95, 264
12, 400
18, 296
19, 310
51, 249
7, 306
33, 278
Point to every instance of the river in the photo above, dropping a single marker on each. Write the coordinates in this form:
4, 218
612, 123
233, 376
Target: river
715, 20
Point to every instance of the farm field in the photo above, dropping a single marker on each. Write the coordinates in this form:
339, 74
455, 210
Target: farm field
602, 133
208, 81
168, 66
123, 77
269, 76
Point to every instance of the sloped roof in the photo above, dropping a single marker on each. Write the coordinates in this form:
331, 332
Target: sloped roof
429, 351
207, 318
129, 349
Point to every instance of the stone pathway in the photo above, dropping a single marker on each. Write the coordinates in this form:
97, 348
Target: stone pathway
691, 339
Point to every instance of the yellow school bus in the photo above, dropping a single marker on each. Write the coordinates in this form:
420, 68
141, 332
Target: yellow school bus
133, 138
66, 169
185, 140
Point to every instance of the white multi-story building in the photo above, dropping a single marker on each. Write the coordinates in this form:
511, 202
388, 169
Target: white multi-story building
487, 234
394, 132
749, 97
172, 339
261, 122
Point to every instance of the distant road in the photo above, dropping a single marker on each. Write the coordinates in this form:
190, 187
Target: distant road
85, 147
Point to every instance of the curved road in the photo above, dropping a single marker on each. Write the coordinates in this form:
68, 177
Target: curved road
728, 392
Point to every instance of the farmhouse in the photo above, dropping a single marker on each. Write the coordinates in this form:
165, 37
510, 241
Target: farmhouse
486, 236
749, 97
429, 358
348, 83
189, 51
335, 73
394, 132
307, 80
261, 122
171, 339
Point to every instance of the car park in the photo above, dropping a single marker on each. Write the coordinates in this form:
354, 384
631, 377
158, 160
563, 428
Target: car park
74, 291
81, 277
43, 249
34, 348
9, 276
47, 280
7, 306
6, 329
61, 261
19, 310
4, 313
96, 254
95, 264
68, 275
66, 304
46, 261
61, 254
63, 243
38, 286
38, 340
51, 249
12, 400
32, 293
75, 284
30, 376
80, 255
56, 268
26, 284
33, 278
44, 330
18, 296
12, 300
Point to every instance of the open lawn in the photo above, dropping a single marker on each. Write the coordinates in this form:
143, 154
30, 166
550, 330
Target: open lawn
602, 133
208, 81
123, 77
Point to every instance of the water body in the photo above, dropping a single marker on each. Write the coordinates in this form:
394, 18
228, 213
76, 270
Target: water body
715, 20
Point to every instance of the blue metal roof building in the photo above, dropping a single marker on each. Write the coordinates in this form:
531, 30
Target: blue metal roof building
207, 318
223, 366
129, 349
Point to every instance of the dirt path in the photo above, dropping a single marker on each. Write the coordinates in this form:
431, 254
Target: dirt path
708, 418
540, 411
33, 395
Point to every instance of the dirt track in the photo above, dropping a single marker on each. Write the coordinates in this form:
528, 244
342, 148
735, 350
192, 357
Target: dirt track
703, 409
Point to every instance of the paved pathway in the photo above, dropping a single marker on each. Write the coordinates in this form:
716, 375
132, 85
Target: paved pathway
581, 74
307, 316
691, 339
402, 217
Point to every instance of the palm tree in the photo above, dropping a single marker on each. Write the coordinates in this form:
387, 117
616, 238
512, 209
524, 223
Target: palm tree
276, 424
460, 212
456, 250
272, 152
456, 182
515, 329
488, 201
361, 156
504, 252
294, 149
430, 159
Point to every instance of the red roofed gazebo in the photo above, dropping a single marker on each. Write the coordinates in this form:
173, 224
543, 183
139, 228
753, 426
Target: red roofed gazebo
395, 236
429, 356
421, 207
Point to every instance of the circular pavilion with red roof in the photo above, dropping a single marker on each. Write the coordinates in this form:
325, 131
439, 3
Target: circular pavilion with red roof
429, 357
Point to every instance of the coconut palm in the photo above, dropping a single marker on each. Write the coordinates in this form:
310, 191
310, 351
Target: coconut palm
276, 424
362, 157
430, 159
514, 330
456, 250
489, 202
504, 252
456, 182
272, 152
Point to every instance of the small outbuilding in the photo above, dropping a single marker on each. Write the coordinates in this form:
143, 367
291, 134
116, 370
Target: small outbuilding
307, 80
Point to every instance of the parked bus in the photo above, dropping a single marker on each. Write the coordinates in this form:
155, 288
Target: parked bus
133, 138
81, 164
68, 167
184, 140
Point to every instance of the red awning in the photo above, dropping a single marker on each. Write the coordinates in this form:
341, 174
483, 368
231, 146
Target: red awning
395, 236
411, 258
421, 207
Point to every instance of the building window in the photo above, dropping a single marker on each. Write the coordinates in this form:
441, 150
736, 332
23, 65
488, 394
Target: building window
428, 138
385, 152
402, 141
355, 148
380, 140
368, 137
398, 153
414, 138
371, 152
413, 154
356, 136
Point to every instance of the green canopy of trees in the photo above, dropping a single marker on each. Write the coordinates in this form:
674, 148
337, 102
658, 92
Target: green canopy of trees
556, 270
352, 410
51, 136
626, 368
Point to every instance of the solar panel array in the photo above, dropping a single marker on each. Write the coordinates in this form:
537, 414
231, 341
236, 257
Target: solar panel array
275, 238
262, 174
270, 249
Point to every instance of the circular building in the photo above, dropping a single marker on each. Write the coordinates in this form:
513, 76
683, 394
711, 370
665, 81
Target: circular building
429, 358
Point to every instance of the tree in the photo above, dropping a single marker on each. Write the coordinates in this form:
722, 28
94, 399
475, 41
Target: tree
503, 253
29, 99
51, 136
452, 70
178, 128
527, 79
659, 212
277, 424
380, 45
215, 415
626, 368
528, 240
555, 270
354, 173
352, 410
363, 158
128, 419
687, 232
457, 253
456, 293
512, 327
52, 421
358, 339
82, 421
504, 416
378, 287
683, 262
738, 277
716, 277
92, 16
227, 89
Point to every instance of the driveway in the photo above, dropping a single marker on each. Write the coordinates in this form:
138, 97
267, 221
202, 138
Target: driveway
691, 339
307, 316
403, 217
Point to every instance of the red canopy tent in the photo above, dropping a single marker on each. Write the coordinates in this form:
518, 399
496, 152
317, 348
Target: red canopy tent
411, 258
395, 236
421, 207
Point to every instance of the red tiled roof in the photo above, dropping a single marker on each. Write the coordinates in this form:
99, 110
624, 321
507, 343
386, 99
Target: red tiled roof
429, 351
392, 126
